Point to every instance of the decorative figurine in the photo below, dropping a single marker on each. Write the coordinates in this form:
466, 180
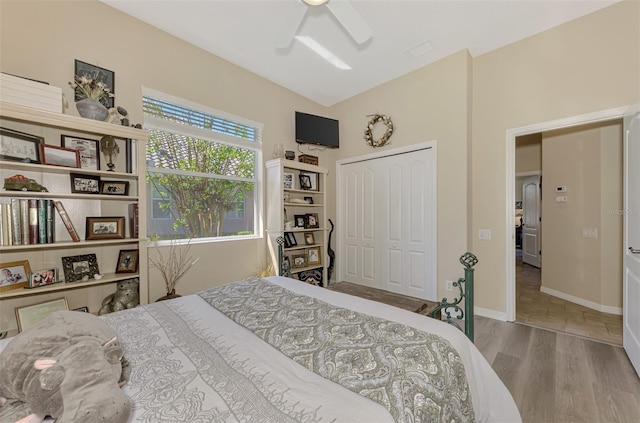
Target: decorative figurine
22, 183
110, 149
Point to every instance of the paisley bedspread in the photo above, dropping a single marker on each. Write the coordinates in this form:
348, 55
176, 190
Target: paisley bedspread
375, 363
415, 375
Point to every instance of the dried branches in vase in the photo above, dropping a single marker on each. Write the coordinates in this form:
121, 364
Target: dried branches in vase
174, 266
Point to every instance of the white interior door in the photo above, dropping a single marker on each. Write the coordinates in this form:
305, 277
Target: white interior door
631, 283
388, 209
358, 237
531, 220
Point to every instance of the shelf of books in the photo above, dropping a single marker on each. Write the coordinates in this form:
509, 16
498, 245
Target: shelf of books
68, 226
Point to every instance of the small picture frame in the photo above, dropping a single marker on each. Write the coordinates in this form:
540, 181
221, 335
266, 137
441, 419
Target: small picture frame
287, 180
84, 184
311, 220
103, 75
298, 261
84, 309
87, 148
77, 268
313, 181
104, 228
308, 200
59, 156
127, 261
309, 239
43, 277
115, 188
28, 316
19, 146
313, 256
300, 220
305, 182
290, 240
14, 275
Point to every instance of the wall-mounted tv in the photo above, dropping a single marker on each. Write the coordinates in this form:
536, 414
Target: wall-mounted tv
317, 130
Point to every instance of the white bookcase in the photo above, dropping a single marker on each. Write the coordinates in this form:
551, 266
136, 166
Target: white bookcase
90, 293
298, 213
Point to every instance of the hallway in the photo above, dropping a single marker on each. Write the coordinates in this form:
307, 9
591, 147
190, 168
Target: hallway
546, 311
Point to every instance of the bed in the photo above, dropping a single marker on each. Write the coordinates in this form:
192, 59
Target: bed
247, 351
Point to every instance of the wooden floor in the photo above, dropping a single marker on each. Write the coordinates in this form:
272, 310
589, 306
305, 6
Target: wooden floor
546, 311
553, 376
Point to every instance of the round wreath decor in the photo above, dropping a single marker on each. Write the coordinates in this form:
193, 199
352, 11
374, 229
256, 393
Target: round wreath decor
368, 133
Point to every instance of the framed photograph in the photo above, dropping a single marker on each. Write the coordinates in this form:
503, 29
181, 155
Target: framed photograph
59, 156
308, 238
313, 256
19, 147
87, 149
105, 228
43, 277
290, 240
85, 184
305, 181
76, 268
308, 200
311, 220
298, 261
300, 220
84, 309
127, 261
103, 75
313, 181
28, 316
288, 180
14, 275
115, 187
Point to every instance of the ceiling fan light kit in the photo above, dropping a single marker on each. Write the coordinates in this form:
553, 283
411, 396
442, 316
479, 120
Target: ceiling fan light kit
315, 2
343, 11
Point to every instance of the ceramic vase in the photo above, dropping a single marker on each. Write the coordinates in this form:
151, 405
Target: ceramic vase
170, 295
92, 109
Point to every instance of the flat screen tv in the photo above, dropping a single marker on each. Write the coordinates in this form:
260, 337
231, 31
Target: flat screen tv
317, 130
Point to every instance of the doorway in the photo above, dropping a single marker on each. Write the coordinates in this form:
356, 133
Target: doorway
550, 297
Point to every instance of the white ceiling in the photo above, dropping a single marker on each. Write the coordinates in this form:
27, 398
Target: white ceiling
244, 32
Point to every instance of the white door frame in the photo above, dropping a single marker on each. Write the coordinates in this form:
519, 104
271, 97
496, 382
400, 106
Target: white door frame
511, 135
434, 220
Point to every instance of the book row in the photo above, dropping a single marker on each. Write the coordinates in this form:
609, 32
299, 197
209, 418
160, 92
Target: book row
28, 221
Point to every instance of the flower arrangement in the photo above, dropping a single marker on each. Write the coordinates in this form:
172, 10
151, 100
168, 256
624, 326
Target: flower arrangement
175, 265
88, 86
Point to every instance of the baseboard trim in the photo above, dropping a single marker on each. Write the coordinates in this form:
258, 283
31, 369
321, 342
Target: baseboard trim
492, 314
581, 301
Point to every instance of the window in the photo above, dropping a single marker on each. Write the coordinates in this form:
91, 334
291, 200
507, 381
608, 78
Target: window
160, 204
202, 170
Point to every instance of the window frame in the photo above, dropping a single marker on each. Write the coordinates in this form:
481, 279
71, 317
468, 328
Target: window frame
153, 122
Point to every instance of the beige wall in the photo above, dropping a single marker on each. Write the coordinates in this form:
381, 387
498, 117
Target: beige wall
465, 104
529, 153
583, 66
528, 158
588, 161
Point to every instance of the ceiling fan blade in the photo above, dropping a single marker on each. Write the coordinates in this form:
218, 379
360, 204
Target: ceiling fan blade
350, 19
291, 23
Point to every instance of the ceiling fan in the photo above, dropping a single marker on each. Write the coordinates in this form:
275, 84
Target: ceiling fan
341, 9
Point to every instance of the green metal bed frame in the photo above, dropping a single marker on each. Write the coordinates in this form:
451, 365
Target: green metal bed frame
449, 312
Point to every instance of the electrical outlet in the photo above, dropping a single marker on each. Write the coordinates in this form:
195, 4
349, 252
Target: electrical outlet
449, 286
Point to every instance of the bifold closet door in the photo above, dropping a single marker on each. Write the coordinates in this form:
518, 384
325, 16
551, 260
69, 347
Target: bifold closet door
389, 207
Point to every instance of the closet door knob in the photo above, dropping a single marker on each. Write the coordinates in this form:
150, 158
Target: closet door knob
634, 251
